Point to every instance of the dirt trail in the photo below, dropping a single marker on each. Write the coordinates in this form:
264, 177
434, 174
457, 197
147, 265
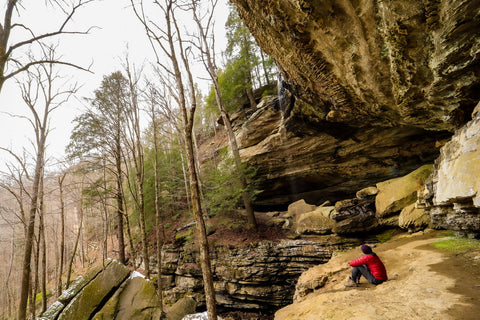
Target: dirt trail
419, 287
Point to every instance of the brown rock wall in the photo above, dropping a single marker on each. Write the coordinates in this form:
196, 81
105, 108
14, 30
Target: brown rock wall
395, 63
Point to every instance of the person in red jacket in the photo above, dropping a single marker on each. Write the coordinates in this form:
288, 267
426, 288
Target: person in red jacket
370, 266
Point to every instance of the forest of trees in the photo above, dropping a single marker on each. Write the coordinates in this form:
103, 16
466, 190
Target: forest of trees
133, 168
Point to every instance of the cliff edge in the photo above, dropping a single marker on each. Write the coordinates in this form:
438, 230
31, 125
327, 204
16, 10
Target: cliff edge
425, 283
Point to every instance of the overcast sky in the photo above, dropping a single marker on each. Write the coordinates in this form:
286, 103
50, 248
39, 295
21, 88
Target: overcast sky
103, 49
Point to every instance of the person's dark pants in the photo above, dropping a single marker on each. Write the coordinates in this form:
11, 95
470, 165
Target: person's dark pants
362, 270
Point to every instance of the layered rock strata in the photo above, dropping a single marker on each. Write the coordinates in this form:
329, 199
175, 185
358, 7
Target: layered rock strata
371, 90
260, 276
452, 195
389, 63
300, 160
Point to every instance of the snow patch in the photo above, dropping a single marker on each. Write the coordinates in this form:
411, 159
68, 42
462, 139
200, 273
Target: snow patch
198, 316
136, 274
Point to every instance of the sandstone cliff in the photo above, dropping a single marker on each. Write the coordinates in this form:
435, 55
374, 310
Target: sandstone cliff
389, 63
370, 90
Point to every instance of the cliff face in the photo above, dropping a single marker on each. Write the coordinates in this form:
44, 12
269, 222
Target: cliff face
370, 90
301, 160
389, 63
259, 277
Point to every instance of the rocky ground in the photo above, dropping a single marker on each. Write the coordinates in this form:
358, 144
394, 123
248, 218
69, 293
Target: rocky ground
425, 283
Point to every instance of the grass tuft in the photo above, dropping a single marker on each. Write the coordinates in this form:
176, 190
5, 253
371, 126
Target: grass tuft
457, 245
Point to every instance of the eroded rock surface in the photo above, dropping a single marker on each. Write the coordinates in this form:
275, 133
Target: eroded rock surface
260, 276
299, 159
105, 293
371, 88
391, 63
452, 196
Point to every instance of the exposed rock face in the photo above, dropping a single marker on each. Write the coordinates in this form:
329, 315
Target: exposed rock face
391, 204
105, 293
452, 197
414, 290
396, 194
300, 160
392, 63
371, 86
136, 299
261, 276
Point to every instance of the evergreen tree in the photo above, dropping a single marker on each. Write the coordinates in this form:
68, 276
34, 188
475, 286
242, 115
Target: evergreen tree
98, 135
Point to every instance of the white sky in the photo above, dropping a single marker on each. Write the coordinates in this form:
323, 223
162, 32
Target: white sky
103, 48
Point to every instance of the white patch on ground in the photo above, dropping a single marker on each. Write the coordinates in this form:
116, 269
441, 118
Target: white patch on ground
198, 316
136, 274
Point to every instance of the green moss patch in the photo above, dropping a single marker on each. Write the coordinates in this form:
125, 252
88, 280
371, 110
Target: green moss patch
457, 245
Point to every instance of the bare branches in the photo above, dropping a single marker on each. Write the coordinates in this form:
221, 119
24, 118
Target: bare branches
42, 96
7, 50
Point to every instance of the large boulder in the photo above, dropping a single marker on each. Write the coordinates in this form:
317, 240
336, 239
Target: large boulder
73, 289
135, 300
181, 308
396, 194
90, 298
413, 218
453, 194
318, 221
298, 208
355, 216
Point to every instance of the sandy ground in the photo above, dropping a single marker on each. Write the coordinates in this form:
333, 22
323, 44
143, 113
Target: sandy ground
425, 283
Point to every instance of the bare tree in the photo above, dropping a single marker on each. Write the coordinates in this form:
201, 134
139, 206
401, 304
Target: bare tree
61, 180
167, 38
159, 223
6, 283
77, 238
134, 142
11, 65
43, 245
206, 45
42, 98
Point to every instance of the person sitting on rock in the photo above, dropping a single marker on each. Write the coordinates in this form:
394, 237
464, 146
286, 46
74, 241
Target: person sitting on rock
370, 266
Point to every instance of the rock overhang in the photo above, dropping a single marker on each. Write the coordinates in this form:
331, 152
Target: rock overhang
373, 88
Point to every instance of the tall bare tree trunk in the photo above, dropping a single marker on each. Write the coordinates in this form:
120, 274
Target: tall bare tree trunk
188, 120
26, 268
187, 189
62, 234
6, 286
209, 62
120, 225
39, 83
43, 245
74, 251
119, 195
35, 277
133, 251
171, 36
158, 219
105, 214
138, 160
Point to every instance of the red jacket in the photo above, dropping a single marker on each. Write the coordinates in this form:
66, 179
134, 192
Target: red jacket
374, 264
